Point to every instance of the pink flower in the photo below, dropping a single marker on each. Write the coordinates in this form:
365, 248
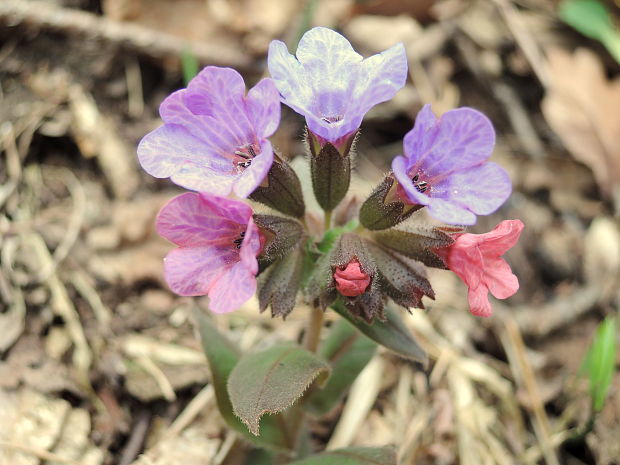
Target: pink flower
476, 259
351, 281
218, 244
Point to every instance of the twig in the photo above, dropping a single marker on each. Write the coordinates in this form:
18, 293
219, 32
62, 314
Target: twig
148, 41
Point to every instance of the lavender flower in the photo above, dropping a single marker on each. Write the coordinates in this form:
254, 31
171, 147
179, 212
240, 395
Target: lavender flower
333, 86
218, 245
214, 137
445, 166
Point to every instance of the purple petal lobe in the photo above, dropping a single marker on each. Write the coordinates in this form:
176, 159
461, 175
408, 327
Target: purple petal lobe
481, 189
450, 212
263, 107
381, 76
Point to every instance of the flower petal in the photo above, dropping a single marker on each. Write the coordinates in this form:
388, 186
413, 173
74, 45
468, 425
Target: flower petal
380, 77
481, 189
263, 107
192, 271
464, 138
500, 280
478, 299
250, 247
289, 77
220, 93
232, 289
450, 212
254, 175
504, 236
201, 219
172, 151
417, 141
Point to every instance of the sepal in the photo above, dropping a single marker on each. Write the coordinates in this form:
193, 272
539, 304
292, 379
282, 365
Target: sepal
281, 190
418, 243
383, 209
279, 285
401, 278
330, 168
280, 235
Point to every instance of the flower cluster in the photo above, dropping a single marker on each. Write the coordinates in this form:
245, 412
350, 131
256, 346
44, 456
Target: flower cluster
214, 141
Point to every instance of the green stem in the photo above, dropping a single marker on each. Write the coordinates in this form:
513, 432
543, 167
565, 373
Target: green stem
327, 221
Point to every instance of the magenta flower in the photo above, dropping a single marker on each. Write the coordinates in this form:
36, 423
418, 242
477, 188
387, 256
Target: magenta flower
214, 137
331, 85
445, 166
218, 244
476, 259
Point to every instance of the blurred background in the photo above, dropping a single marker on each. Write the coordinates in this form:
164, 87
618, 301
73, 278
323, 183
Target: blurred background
98, 360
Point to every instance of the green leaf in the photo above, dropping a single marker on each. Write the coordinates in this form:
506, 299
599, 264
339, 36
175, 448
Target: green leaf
348, 351
190, 65
352, 456
222, 357
592, 19
600, 362
271, 380
392, 333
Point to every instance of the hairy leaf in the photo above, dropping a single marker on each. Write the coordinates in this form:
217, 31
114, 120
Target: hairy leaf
391, 333
271, 380
222, 357
352, 456
348, 351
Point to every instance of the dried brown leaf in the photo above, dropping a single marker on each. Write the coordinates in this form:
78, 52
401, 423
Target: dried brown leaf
581, 106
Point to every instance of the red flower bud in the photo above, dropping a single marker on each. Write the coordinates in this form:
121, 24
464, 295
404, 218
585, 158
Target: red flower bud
351, 281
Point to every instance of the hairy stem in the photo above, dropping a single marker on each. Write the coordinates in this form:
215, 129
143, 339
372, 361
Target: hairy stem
314, 329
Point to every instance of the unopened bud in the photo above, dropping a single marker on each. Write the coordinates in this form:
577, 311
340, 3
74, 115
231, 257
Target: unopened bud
351, 280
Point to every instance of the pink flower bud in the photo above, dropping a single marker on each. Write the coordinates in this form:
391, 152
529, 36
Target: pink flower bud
351, 281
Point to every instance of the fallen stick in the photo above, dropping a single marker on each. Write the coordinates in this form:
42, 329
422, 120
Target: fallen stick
158, 44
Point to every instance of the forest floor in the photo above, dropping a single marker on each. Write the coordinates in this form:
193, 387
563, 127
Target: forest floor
99, 363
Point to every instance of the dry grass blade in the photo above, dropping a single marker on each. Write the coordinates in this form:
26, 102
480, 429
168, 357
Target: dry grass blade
362, 397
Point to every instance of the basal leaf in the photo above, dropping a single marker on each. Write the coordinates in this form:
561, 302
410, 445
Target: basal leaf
392, 333
348, 351
222, 357
271, 380
352, 456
